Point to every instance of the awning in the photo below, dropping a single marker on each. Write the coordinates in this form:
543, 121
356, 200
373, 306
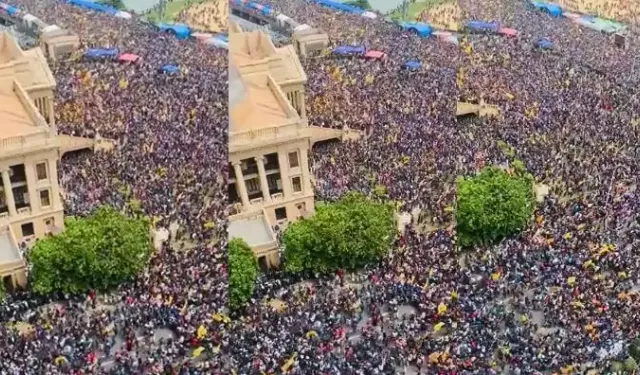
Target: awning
374, 54
128, 57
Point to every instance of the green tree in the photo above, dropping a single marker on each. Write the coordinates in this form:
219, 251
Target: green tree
630, 365
362, 4
118, 4
96, 252
616, 368
634, 349
493, 204
243, 271
349, 234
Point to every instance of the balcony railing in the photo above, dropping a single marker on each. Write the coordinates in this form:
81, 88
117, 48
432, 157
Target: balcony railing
24, 210
23, 140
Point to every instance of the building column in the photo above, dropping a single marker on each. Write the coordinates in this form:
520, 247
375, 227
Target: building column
8, 193
52, 117
304, 167
301, 104
55, 188
242, 188
283, 162
264, 184
31, 188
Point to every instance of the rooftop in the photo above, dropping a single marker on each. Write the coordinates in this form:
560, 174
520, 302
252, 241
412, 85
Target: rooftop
256, 105
16, 118
28, 67
254, 230
253, 51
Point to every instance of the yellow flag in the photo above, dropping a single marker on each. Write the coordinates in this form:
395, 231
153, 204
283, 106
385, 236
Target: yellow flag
438, 326
60, 360
434, 357
454, 295
201, 333
197, 352
571, 280
442, 308
495, 276
311, 334
588, 264
368, 79
287, 365
123, 84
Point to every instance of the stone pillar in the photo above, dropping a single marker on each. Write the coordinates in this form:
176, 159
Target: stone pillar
264, 184
301, 104
31, 188
8, 193
55, 188
304, 167
242, 188
52, 117
284, 174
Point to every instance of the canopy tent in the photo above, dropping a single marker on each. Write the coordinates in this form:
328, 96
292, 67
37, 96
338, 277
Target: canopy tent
129, 57
170, 69
375, 54
349, 50
101, 53
480, 26
544, 44
412, 65
508, 31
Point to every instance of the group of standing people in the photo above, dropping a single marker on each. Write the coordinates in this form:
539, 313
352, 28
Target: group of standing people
170, 162
559, 297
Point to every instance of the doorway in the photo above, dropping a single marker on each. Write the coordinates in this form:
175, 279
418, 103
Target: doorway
263, 263
7, 282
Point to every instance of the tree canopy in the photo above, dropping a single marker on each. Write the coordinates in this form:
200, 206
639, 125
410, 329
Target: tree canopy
493, 204
243, 271
99, 251
347, 234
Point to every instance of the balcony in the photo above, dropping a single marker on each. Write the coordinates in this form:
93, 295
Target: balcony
24, 210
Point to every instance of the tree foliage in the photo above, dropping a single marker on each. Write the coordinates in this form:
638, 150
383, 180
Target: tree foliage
349, 234
118, 4
362, 4
96, 252
493, 204
634, 349
243, 271
630, 364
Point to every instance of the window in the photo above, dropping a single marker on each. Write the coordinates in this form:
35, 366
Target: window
281, 213
297, 184
293, 160
27, 230
45, 200
41, 171
49, 224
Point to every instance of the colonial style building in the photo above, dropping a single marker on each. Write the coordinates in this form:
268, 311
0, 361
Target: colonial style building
270, 182
30, 203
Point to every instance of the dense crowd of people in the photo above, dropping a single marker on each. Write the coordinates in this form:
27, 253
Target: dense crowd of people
169, 161
561, 296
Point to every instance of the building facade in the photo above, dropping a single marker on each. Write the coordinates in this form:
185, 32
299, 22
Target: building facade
30, 203
269, 142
